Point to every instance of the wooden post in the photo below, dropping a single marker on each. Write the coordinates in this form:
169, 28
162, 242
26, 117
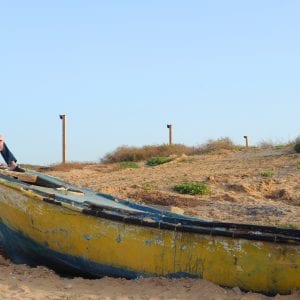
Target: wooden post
246, 139
63, 118
170, 133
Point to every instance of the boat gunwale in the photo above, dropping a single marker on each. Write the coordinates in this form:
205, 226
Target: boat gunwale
207, 228
167, 222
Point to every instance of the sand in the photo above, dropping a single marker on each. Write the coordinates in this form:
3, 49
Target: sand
239, 194
22, 282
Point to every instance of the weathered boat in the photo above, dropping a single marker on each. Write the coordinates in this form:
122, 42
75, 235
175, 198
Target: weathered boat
44, 220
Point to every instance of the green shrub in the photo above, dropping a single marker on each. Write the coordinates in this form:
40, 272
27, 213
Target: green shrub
297, 146
267, 174
154, 161
280, 147
192, 188
148, 186
128, 165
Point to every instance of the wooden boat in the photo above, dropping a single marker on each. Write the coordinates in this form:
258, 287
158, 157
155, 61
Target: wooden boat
44, 220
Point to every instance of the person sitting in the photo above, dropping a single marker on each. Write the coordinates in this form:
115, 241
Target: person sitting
9, 157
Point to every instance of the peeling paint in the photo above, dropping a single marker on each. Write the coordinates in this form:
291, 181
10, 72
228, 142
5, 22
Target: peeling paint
87, 237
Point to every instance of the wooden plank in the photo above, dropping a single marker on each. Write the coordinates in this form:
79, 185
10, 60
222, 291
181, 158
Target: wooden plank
20, 176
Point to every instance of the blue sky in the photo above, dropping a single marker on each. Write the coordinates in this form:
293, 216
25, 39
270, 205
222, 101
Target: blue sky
122, 70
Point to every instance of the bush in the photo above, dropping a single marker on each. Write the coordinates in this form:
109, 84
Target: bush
192, 188
154, 161
126, 153
215, 146
148, 186
128, 165
267, 174
297, 146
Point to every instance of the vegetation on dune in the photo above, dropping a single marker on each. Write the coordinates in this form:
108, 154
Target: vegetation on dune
187, 160
67, 166
269, 144
136, 154
216, 145
128, 165
267, 174
297, 145
192, 188
148, 186
154, 161
127, 157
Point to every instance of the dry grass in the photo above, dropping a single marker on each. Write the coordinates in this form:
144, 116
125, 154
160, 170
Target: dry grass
66, 167
218, 145
126, 153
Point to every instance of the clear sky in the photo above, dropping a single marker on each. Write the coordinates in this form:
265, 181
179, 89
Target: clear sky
121, 70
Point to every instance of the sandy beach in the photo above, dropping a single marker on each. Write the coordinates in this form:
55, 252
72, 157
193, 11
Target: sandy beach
22, 282
239, 194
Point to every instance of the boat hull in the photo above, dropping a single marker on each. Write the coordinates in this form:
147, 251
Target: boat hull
34, 231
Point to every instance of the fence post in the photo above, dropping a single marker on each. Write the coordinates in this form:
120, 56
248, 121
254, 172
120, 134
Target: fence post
246, 139
64, 144
170, 133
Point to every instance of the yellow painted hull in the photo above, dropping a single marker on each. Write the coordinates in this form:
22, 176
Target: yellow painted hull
134, 250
